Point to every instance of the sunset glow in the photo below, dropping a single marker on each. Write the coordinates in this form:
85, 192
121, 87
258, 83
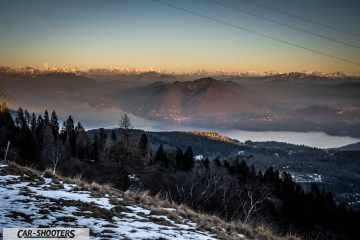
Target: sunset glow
144, 34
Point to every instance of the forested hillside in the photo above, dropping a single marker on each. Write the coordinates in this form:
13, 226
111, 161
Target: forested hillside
227, 187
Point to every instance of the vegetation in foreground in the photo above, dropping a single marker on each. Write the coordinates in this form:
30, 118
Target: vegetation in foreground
232, 191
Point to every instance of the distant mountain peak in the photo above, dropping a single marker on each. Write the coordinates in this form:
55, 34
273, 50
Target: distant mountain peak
151, 71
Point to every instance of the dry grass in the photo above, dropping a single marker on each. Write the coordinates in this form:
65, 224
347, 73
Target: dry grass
205, 222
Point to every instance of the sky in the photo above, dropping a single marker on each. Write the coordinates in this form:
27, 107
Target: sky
146, 34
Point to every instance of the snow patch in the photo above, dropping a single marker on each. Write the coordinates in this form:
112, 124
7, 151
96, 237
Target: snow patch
31, 204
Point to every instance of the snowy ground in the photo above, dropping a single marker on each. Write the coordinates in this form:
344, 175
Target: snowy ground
45, 202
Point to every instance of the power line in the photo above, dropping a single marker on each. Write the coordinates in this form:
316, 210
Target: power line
254, 32
302, 18
283, 24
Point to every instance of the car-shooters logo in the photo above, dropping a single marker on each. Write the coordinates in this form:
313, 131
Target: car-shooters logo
46, 233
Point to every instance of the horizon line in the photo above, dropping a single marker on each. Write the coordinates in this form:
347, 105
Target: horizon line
134, 70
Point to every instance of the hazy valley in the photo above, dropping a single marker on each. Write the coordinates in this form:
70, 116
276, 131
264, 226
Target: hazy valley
277, 102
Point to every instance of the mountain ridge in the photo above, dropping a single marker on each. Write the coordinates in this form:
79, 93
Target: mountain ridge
204, 97
199, 73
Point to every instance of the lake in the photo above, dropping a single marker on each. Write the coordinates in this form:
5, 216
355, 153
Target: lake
95, 118
312, 139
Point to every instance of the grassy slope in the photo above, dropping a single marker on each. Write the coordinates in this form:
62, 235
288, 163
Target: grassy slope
156, 205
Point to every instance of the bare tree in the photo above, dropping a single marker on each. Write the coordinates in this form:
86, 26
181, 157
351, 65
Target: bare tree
125, 124
56, 158
251, 200
198, 187
6, 151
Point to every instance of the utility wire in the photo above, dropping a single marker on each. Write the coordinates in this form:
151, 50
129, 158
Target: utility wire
254, 32
282, 24
302, 18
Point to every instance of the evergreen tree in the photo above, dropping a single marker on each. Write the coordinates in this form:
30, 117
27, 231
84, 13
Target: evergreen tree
80, 140
144, 148
252, 171
102, 134
62, 134
95, 153
217, 162
20, 119
242, 169
226, 165
179, 159
161, 156
188, 159
69, 125
7, 127
206, 163
113, 135
40, 122
54, 124
33, 123
27, 118
101, 141
79, 128
46, 118
70, 141
46, 145
26, 143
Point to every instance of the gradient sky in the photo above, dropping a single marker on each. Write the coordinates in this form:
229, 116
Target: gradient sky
144, 34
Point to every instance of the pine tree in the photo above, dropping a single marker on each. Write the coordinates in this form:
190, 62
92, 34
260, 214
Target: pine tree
20, 119
144, 149
54, 124
102, 134
113, 135
206, 163
63, 133
70, 136
161, 156
226, 165
80, 140
95, 152
179, 159
79, 128
217, 162
40, 122
46, 145
33, 123
27, 118
188, 159
7, 127
46, 118
26, 143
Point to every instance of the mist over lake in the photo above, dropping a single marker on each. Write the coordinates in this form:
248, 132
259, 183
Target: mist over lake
108, 118
312, 139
